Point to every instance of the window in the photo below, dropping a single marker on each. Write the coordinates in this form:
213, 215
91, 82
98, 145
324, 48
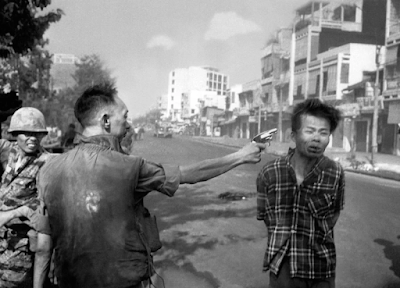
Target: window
219, 78
215, 77
219, 86
225, 79
192, 111
173, 82
219, 93
344, 76
325, 84
172, 98
173, 73
233, 97
317, 84
172, 90
172, 106
224, 86
299, 88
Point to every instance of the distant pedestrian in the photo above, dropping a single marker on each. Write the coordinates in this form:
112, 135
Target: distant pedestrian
299, 199
69, 136
141, 132
136, 133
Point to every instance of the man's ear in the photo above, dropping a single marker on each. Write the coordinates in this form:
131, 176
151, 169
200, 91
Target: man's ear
293, 136
106, 122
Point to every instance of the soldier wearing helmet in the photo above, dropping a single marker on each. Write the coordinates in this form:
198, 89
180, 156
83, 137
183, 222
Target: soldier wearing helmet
20, 210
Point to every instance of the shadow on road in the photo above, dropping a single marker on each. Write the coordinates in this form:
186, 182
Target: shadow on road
392, 252
187, 206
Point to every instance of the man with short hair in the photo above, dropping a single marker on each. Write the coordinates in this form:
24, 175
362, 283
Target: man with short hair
299, 199
103, 235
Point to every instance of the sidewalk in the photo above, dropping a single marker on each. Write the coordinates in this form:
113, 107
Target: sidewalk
386, 166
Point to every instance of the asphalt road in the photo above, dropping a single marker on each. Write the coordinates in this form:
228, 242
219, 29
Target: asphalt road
211, 242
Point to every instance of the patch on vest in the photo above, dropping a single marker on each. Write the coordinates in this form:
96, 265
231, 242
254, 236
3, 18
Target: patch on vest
92, 202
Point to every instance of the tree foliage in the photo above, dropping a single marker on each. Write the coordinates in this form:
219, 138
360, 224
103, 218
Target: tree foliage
59, 109
22, 25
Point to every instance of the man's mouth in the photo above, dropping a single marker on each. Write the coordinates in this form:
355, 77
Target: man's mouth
31, 145
314, 149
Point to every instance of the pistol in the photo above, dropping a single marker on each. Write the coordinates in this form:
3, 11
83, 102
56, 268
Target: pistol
265, 136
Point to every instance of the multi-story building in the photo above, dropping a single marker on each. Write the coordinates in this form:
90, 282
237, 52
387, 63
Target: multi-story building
391, 93
275, 76
184, 80
194, 100
249, 100
322, 25
162, 104
62, 70
229, 125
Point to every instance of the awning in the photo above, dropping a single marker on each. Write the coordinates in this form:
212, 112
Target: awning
394, 113
391, 55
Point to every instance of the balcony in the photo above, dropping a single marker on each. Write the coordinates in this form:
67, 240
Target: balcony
367, 103
317, 14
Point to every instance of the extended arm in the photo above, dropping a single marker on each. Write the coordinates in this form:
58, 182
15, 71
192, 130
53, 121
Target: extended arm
42, 260
207, 169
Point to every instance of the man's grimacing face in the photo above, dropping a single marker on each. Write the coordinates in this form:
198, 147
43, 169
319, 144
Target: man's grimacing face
312, 137
119, 125
29, 142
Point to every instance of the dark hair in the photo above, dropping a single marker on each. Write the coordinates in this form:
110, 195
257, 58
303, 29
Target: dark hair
72, 126
315, 107
92, 100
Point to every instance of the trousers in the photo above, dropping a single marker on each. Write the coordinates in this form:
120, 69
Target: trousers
283, 279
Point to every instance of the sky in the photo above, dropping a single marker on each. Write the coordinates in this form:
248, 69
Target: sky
141, 41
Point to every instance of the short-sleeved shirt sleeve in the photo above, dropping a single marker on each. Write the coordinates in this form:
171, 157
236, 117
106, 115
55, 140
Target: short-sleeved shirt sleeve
162, 178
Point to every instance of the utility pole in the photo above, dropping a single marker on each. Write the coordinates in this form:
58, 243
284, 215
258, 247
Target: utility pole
374, 148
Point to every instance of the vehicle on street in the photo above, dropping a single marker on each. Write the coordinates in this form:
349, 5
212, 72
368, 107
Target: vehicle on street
163, 132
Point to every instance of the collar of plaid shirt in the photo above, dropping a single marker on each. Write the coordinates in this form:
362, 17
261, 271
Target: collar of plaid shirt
300, 218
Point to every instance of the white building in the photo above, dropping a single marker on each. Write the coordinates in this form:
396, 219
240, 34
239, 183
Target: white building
233, 94
184, 80
162, 103
62, 70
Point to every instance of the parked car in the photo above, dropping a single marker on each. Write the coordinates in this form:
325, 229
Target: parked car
163, 132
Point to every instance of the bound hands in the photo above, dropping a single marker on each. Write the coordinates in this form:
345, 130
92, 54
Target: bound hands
251, 153
7, 216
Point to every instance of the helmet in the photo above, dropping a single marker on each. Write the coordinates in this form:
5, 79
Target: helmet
27, 119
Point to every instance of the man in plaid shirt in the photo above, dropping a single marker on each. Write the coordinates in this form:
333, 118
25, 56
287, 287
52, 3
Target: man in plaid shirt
299, 198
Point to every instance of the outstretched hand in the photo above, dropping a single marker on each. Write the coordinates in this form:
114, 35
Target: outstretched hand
251, 153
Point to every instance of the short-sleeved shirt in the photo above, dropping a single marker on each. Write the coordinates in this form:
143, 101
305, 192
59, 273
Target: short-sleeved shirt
90, 193
300, 218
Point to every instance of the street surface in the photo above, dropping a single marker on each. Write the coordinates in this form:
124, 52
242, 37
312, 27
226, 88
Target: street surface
211, 242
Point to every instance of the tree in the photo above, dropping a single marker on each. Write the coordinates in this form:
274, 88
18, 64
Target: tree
91, 71
59, 109
22, 25
23, 60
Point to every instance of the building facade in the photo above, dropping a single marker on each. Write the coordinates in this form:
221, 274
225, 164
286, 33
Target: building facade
184, 80
62, 70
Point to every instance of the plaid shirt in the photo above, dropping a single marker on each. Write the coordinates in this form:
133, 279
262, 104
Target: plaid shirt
300, 218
